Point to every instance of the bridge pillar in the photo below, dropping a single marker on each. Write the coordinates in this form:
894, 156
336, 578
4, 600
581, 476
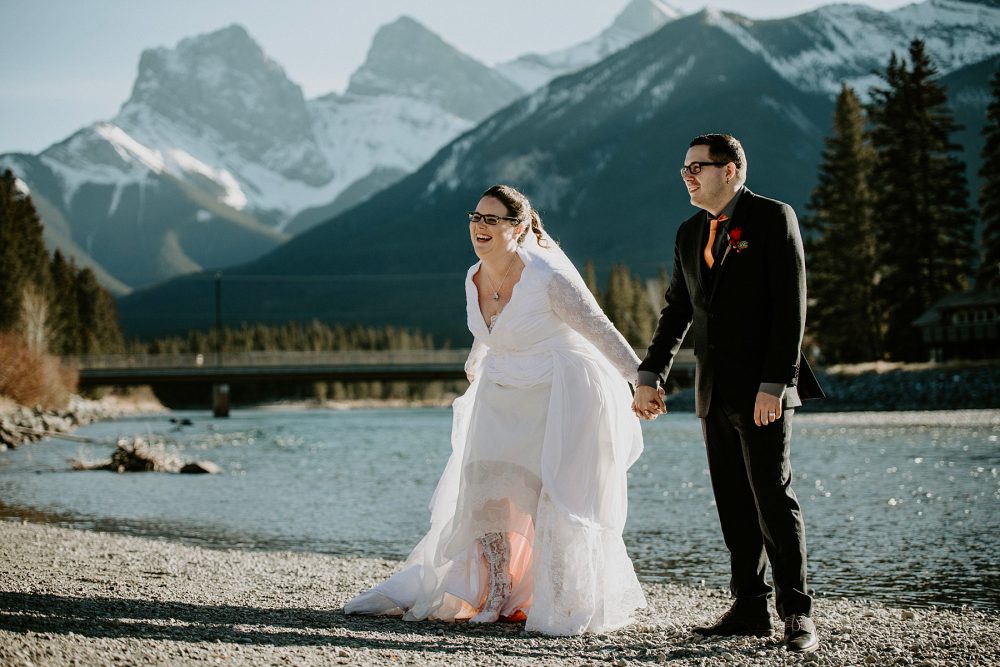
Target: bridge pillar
220, 400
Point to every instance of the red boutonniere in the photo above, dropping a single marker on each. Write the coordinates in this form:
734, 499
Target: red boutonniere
736, 241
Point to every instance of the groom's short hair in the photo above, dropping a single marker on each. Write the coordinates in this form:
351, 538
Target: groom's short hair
724, 148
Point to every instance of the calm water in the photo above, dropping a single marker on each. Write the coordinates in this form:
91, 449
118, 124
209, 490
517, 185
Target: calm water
901, 507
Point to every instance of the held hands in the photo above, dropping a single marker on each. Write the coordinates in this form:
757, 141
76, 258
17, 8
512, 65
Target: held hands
648, 402
767, 409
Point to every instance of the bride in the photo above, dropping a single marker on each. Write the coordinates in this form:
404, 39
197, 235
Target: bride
527, 519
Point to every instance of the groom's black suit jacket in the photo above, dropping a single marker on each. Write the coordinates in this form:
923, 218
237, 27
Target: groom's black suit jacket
747, 315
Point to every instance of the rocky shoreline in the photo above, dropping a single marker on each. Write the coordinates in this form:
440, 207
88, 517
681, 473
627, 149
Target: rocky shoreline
20, 425
880, 387
79, 597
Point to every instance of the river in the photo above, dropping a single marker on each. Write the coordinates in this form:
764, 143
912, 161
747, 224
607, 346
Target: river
902, 507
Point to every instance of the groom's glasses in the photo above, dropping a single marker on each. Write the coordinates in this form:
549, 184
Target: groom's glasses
477, 217
695, 167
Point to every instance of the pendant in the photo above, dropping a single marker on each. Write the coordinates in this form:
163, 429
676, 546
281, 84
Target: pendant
496, 296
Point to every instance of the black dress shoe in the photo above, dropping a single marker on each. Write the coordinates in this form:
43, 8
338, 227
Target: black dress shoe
800, 634
738, 621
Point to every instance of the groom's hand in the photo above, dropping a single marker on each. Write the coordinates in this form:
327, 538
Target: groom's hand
767, 409
648, 402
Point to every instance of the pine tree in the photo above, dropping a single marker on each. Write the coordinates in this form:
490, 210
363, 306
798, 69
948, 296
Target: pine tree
643, 315
924, 228
619, 299
66, 329
840, 250
24, 265
988, 276
109, 332
10, 281
590, 279
87, 291
628, 305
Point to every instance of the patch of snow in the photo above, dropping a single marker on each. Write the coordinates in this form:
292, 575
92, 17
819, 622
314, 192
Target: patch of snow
447, 174
661, 92
850, 42
736, 30
234, 196
793, 114
129, 149
638, 19
116, 198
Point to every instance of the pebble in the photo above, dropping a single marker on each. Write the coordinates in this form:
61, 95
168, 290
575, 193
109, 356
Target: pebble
60, 581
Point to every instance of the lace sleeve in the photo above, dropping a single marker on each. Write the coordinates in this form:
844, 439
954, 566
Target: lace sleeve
475, 360
577, 307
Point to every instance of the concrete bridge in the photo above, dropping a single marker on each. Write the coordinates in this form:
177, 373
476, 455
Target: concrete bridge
222, 370
280, 366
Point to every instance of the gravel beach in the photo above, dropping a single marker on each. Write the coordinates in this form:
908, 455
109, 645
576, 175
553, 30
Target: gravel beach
78, 597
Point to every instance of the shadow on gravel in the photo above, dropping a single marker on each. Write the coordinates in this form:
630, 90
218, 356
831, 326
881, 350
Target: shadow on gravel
103, 617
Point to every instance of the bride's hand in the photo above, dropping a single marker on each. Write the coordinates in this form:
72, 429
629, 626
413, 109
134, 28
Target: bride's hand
470, 377
648, 402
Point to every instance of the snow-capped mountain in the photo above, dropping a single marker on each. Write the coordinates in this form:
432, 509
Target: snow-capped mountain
407, 60
638, 19
597, 151
819, 50
217, 151
217, 157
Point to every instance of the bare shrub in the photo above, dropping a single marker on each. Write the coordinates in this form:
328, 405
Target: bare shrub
35, 318
30, 377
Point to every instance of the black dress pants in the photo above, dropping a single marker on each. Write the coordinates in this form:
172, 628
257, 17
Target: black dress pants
760, 515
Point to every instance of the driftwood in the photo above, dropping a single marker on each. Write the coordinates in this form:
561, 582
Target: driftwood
136, 455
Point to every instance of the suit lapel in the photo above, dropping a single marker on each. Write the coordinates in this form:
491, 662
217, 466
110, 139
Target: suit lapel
702, 238
740, 217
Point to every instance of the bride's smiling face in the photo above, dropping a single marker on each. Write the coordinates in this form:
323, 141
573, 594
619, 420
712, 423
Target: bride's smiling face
494, 241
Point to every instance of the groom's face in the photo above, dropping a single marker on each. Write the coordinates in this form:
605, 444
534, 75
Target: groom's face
707, 189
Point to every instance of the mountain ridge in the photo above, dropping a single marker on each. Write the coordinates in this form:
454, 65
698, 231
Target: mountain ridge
215, 141
196, 195
597, 152
587, 148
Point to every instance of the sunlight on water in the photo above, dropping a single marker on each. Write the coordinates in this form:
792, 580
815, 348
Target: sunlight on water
902, 507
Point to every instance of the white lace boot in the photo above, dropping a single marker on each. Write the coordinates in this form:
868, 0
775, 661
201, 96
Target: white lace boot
496, 549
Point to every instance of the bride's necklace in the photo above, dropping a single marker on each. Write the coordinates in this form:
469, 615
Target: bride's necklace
496, 290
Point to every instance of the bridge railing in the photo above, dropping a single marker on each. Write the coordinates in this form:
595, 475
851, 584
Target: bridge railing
298, 358
270, 358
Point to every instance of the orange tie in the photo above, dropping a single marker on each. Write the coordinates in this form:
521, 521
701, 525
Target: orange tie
712, 229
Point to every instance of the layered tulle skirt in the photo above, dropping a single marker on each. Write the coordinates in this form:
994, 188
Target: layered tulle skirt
541, 445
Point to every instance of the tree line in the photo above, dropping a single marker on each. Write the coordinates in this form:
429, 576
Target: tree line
889, 229
627, 300
55, 306
631, 303
314, 336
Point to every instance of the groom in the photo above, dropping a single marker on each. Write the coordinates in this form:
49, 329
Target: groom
739, 282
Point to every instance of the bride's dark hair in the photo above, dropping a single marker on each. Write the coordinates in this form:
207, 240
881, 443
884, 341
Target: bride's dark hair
519, 207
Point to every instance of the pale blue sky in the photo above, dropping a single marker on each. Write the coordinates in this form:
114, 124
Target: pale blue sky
68, 63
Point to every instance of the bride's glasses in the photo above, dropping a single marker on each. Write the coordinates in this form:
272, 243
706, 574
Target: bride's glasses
477, 217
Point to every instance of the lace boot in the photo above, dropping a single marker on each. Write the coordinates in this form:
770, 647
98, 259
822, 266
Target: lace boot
496, 550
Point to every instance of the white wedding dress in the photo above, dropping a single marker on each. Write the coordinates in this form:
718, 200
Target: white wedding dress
541, 443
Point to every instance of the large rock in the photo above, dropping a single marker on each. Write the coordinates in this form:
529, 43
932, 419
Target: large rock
201, 467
